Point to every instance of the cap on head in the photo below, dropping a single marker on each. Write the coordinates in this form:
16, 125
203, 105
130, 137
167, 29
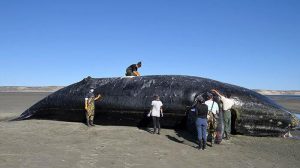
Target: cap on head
228, 95
200, 99
139, 64
209, 95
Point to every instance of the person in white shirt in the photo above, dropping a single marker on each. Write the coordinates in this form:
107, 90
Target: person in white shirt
213, 110
212, 105
156, 112
227, 105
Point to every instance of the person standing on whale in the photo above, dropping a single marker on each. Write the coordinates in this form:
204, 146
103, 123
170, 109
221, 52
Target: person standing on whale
90, 107
132, 69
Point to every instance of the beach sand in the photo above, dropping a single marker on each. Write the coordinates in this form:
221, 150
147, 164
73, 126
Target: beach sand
44, 143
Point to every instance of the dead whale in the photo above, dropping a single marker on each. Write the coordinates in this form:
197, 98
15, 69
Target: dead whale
127, 101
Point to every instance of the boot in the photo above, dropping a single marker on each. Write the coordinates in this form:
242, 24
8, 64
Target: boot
228, 137
88, 122
225, 136
204, 145
92, 123
200, 144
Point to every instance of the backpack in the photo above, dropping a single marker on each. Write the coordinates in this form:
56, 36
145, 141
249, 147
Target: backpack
211, 119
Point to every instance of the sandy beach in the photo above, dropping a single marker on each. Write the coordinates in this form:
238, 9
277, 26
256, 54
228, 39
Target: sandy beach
44, 143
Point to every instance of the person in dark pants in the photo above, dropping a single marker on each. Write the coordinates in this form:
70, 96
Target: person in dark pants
132, 69
201, 122
156, 112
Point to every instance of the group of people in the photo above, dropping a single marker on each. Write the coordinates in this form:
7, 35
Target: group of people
207, 112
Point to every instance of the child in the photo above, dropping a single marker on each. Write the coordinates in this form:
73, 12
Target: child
156, 112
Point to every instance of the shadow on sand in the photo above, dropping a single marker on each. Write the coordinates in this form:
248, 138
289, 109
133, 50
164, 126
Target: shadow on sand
146, 129
182, 136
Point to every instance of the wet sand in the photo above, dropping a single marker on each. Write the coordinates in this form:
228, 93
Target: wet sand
292, 103
44, 143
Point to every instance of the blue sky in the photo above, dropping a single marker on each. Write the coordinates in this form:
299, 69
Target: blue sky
251, 43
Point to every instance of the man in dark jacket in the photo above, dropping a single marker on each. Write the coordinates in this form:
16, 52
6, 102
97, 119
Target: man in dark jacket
132, 69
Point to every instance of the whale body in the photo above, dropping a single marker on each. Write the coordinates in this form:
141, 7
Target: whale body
127, 100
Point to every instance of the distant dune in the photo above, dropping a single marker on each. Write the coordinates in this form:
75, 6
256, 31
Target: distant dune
29, 88
278, 92
55, 88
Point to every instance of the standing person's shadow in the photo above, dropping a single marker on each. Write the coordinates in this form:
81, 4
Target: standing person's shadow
186, 133
183, 137
145, 123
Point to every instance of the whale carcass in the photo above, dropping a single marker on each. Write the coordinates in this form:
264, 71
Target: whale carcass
127, 101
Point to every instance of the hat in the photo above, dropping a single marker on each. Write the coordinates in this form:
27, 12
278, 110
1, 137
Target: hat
139, 63
228, 95
209, 95
156, 97
200, 99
